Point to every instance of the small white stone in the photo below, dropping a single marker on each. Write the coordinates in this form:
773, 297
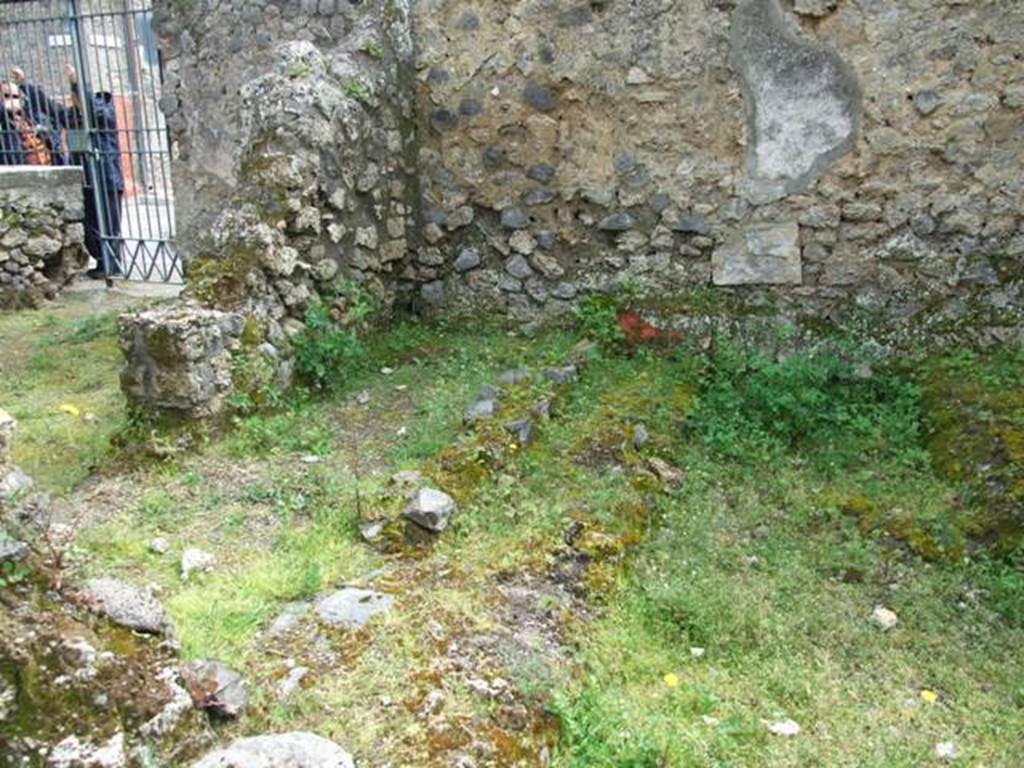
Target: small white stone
363, 398
195, 560
311, 459
784, 728
159, 546
291, 681
696, 652
946, 750
522, 242
433, 703
387, 371
637, 76
883, 618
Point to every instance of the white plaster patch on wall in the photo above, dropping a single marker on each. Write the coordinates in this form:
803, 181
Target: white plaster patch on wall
802, 99
795, 126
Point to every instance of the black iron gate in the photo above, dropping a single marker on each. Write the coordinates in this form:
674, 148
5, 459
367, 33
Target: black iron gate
85, 75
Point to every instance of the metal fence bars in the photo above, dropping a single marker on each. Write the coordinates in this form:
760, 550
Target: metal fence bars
81, 85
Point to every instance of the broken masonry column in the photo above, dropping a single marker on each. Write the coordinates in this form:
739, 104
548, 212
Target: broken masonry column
178, 360
296, 190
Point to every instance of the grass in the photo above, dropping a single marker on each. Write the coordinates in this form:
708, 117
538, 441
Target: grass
810, 493
58, 378
777, 590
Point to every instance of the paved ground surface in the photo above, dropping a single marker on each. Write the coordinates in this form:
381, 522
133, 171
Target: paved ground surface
129, 288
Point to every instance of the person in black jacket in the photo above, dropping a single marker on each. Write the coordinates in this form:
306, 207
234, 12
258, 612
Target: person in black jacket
103, 185
39, 109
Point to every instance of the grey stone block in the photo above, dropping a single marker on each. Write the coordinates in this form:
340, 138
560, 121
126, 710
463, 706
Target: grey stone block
767, 254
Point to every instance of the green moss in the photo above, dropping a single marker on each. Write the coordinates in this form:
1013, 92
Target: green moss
220, 280
865, 511
297, 69
60, 381
974, 410
252, 332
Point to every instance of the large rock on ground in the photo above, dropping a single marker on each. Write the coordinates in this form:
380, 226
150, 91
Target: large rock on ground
430, 509
75, 753
125, 604
351, 608
282, 750
13, 482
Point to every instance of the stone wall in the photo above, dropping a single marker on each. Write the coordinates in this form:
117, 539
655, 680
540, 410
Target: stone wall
802, 160
293, 131
41, 233
843, 152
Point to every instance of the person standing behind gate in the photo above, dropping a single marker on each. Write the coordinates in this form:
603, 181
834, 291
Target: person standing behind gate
39, 110
20, 143
107, 182
11, 151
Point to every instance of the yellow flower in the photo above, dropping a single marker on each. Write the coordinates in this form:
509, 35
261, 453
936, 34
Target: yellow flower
929, 696
672, 680
71, 410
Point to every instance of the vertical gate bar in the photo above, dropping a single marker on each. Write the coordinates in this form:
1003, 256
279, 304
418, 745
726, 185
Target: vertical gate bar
152, 155
11, 142
118, 89
132, 134
57, 89
138, 144
164, 138
148, 146
129, 206
88, 124
108, 82
140, 147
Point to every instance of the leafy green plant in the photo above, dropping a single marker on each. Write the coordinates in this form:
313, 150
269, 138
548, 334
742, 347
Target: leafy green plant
329, 346
597, 319
324, 352
252, 375
259, 434
373, 48
359, 304
826, 406
358, 91
12, 574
